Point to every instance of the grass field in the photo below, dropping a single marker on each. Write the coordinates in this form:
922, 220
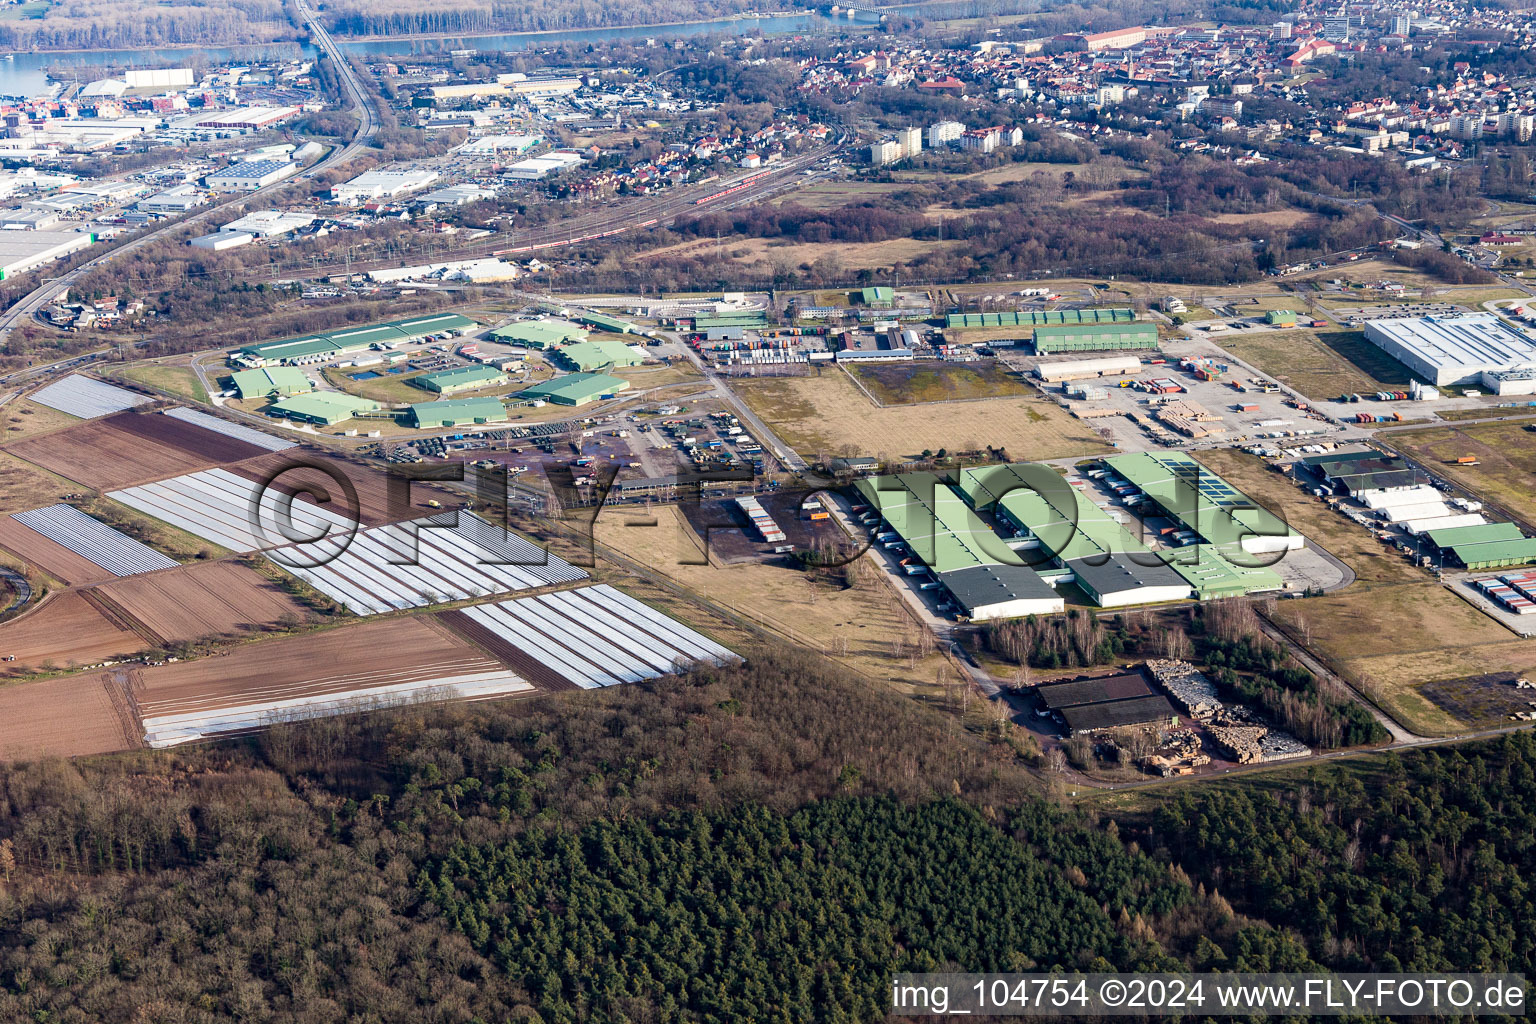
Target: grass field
820, 414
915, 383
856, 626
24, 486
769, 252
25, 418
1320, 364
178, 380
829, 195
1506, 453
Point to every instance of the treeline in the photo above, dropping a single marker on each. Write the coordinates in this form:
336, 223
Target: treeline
1418, 862
1250, 668
464, 17
1076, 639
666, 850
96, 25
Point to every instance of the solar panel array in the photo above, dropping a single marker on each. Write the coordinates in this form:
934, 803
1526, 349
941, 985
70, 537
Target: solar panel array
94, 540
452, 557
260, 438
598, 636
87, 397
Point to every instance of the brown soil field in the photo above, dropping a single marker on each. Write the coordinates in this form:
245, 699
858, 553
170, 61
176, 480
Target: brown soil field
84, 714
372, 485
131, 448
54, 559
772, 251
206, 599
375, 653
65, 630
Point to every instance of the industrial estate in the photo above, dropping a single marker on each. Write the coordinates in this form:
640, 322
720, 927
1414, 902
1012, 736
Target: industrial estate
530, 512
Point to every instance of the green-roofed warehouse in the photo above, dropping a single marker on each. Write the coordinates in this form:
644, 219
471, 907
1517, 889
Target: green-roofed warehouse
878, 297
456, 412
575, 388
1490, 546
1237, 529
1108, 564
324, 407
320, 348
460, 378
586, 356
608, 323
976, 567
538, 334
1042, 317
274, 380
1094, 337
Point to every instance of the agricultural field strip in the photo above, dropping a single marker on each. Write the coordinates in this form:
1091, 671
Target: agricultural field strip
597, 636
169, 730
94, 540
469, 665
380, 569
249, 435
215, 505
86, 397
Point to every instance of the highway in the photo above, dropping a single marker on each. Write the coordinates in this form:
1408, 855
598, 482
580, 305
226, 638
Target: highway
360, 106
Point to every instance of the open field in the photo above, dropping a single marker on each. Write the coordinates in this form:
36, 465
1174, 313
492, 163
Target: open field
865, 627
768, 252
821, 414
829, 195
1320, 364
1390, 640
338, 665
912, 383
169, 376
24, 418
1506, 454
1372, 561
642, 378
64, 631
24, 486
84, 714
54, 559
206, 600
130, 448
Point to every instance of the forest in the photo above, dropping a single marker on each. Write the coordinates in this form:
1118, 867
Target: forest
132, 25
673, 850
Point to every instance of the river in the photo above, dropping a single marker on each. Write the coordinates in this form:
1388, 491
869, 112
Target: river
26, 73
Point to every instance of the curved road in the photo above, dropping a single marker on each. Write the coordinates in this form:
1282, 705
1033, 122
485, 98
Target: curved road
368, 126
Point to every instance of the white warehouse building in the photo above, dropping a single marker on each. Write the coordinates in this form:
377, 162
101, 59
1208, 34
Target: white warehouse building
1081, 369
1475, 349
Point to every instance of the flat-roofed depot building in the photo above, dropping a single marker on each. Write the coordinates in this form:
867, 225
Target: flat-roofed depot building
1478, 349
1107, 702
575, 389
322, 348
326, 408
460, 378
974, 565
1049, 533
456, 412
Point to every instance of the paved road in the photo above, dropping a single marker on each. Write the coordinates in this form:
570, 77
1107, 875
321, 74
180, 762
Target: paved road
360, 105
